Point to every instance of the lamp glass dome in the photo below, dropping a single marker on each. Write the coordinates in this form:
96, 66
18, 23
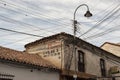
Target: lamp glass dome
88, 14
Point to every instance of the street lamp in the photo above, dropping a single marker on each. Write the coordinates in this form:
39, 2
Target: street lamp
87, 14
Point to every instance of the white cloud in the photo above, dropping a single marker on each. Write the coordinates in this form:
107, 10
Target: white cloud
54, 16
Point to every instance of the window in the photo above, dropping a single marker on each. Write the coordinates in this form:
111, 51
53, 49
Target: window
102, 66
81, 65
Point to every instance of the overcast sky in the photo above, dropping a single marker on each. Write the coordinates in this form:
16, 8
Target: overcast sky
48, 17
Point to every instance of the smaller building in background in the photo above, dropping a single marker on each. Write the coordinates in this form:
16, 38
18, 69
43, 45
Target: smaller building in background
112, 48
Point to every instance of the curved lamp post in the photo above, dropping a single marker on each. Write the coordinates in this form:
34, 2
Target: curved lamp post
87, 14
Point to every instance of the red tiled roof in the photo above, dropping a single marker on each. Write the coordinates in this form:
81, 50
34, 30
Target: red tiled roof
22, 57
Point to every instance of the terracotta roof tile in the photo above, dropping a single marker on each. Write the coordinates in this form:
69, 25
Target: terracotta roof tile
22, 57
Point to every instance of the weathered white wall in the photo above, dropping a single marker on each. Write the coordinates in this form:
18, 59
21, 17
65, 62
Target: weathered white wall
24, 73
92, 60
92, 63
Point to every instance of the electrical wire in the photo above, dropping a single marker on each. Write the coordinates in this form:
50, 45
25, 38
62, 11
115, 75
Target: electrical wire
37, 27
13, 21
106, 17
17, 41
104, 32
22, 23
42, 8
14, 4
31, 14
101, 13
99, 23
105, 11
20, 32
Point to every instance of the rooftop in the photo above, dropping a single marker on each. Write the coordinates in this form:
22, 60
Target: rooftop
83, 43
115, 44
113, 48
48, 38
22, 57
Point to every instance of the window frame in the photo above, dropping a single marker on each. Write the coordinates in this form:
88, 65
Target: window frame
103, 67
81, 61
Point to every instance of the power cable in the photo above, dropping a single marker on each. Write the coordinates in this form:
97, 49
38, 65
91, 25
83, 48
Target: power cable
6, 19
99, 12
100, 23
28, 8
28, 24
110, 7
104, 32
17, 41
32, 14
101, 27
20, 32
21, 23
102, 20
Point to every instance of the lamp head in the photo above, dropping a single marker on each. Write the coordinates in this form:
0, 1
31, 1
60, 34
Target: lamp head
88, 14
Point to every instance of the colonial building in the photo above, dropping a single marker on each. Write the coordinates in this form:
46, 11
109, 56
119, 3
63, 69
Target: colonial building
87, 60
16, 65
112, 48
